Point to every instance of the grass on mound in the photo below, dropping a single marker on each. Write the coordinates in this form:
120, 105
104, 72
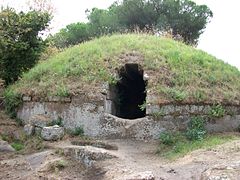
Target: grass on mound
183, 146
177, 72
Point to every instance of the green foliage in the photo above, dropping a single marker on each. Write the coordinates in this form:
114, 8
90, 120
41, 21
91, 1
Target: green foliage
183, 17
20, 44
183, 146
158, 114
104, 21
62, 91
196, 129
143, 106
77, 132
18, 146
180, 17
176, 94
12, 101
167, 138
199, 96
217, 111
73, 34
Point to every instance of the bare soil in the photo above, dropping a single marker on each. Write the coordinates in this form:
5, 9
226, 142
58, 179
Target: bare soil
133, 157
221, 162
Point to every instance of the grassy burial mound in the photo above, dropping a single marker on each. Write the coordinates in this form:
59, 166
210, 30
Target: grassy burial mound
177, 73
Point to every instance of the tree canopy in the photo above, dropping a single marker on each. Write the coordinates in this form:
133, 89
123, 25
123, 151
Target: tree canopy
182, 18
20, 43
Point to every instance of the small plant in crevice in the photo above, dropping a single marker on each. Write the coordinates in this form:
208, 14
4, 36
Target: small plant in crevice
58, 165
143, 106
196, 129
158, 114
217, 111
58, 121
79, 131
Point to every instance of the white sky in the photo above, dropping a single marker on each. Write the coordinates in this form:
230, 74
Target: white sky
220, 38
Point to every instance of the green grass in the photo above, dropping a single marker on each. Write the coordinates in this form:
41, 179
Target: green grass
183, 146
182, 73
18, 146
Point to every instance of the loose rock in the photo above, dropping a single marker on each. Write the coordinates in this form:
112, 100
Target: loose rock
52, 133
5, 147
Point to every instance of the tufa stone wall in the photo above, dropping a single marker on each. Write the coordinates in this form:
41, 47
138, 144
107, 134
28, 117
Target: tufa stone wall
94, 117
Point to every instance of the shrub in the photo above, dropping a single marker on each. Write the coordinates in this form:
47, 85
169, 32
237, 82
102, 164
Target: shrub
167, 138
12, 101
20, 43
196, 129
217, 111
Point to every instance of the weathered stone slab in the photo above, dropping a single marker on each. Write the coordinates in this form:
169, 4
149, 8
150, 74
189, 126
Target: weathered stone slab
40, 120
142, 128
87, 155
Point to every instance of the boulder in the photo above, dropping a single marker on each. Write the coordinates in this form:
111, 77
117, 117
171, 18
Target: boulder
29, 129
52, 133
40, 120
5, 147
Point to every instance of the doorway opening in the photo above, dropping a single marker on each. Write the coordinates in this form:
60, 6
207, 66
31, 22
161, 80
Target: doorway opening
130, 93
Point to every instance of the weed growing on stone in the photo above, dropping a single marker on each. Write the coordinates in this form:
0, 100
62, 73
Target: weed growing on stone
77, 132
58, 121
217, 111
18, 146
196, 129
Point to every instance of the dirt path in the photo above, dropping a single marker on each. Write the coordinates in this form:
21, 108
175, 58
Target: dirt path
133, 157
136, 157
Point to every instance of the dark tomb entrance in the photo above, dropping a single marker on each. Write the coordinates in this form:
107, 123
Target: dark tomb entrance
130, 92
